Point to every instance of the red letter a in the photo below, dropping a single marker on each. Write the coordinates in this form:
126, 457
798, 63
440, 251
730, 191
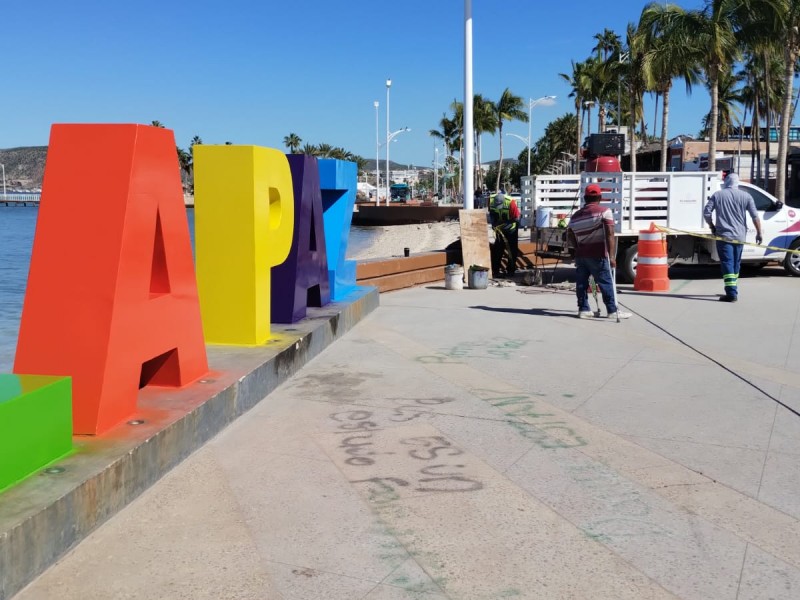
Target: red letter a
112, 296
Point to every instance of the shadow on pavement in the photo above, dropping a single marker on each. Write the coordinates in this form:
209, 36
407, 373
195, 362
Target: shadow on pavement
706, 297
546, 312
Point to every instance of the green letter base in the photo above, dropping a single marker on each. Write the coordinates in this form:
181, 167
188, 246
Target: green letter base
35, 424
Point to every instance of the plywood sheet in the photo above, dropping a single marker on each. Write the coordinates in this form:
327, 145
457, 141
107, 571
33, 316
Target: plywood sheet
474, 238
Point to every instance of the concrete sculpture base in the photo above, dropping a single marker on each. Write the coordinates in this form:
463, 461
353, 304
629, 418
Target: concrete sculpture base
47, 514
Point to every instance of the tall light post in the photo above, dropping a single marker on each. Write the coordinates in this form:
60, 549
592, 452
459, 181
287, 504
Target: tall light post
527, 141
436, 171
569, 159
377, 153
531, 104
388, 139
4, 181
588, 105
469, 138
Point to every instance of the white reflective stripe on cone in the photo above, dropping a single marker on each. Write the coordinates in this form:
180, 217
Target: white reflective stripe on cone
650, 237
648, 260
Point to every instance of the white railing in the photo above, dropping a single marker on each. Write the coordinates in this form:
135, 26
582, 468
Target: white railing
20, 197
668, 199
526, 202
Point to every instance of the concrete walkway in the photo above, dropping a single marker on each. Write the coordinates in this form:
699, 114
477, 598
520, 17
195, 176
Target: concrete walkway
487, 444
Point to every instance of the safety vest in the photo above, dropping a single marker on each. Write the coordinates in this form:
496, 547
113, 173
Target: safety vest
503, 212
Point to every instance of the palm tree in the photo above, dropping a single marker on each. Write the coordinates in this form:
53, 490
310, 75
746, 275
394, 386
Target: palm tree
558, 140
600, 78
727, 112
323, 150
185, 162
713, 29
484, 121
158, 124
309, 149
449, 134
508, 108
361, 162
608, 43
292, 142
757, 95
608, 48
750, 94
458, 119
634, 78
579, 81
771, 28
791, 54
670, 53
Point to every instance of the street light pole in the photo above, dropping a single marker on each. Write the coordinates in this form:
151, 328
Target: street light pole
520, 138
388, 139
588, 105
530, 115
4, 181
531, 104
435, 170
377, 153
469, 139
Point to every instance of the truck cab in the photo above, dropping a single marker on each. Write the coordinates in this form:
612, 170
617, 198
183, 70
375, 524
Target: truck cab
780, 227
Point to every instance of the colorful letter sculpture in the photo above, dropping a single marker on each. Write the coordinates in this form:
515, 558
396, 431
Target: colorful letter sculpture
244, 220
302, 279
112, 297
338, 183
35, 424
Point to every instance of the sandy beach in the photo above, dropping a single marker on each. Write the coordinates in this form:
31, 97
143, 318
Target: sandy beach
390, 241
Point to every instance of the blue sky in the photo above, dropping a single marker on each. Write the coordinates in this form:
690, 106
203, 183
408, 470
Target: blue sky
252, 72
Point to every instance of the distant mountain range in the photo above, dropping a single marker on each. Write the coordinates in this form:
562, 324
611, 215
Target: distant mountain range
370, 165
24, 167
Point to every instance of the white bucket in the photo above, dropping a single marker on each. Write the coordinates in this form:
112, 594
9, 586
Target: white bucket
454, 277
543, 216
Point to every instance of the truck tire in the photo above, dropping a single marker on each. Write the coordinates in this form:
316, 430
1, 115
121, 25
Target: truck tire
626, 268
792, 261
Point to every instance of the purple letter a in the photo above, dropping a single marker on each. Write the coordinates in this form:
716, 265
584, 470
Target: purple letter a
302, 279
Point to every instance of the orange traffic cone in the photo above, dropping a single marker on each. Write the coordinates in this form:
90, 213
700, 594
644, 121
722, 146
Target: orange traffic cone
652, 268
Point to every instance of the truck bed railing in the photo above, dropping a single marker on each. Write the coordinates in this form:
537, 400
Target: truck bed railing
674, 200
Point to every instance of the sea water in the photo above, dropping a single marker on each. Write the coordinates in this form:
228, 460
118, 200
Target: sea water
17, 228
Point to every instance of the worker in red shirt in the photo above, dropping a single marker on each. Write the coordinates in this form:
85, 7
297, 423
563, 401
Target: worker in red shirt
591, 232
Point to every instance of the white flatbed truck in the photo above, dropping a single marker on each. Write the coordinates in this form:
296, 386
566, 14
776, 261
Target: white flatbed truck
671, 200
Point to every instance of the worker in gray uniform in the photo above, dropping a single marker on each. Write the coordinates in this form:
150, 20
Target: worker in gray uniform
731, 206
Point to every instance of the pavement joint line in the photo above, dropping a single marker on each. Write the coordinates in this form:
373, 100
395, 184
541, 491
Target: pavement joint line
606, 382
754, 369
741, 571
722, 365
794, 329
432, 413
743, 529
766, 452
692, 442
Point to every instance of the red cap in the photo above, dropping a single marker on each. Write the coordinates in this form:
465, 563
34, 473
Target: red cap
593, 190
